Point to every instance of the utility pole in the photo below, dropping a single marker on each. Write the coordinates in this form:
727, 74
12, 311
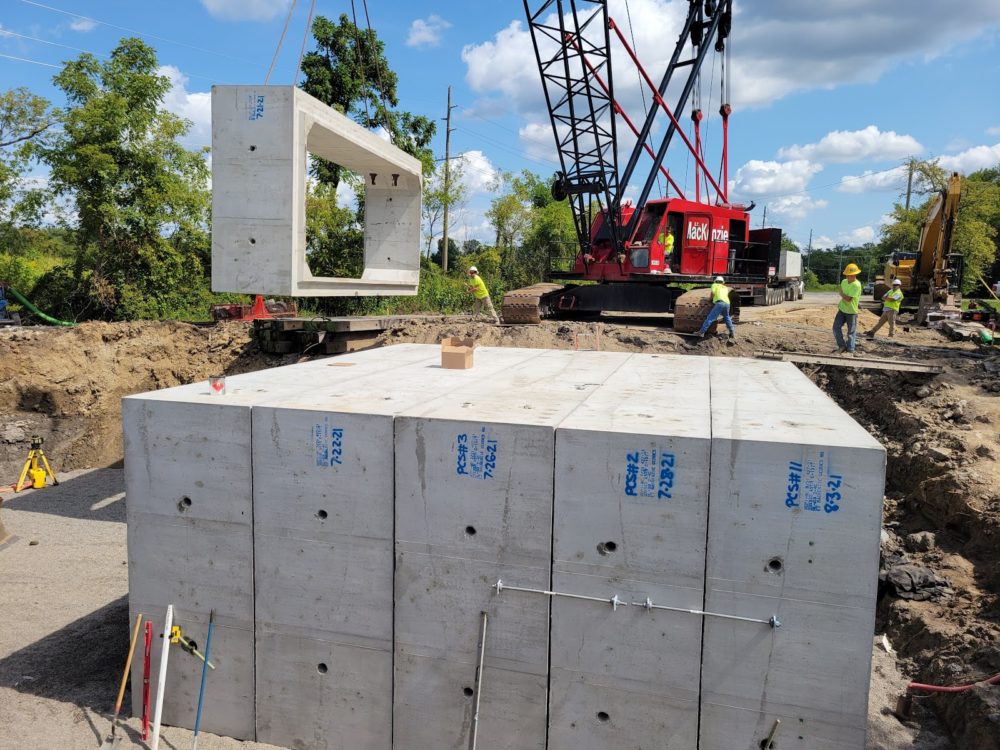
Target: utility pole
909, 182
447, 184
763, 218
809, 250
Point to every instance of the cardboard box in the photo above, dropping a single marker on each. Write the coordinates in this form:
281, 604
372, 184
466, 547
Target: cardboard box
456, 353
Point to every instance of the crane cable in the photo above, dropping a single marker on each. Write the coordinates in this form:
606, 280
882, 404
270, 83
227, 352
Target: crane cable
378, 73
305, 37
281, 40
361, 64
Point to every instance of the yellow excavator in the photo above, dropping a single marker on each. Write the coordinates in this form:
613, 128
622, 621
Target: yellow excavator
931, 277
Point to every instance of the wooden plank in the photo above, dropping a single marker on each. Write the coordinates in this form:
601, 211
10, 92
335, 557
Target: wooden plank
857, 363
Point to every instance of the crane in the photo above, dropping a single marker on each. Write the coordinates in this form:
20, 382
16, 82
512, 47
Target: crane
624, 246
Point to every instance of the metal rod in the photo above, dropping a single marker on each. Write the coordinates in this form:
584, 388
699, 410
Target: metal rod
773, 621
614, 601
161, 678
479, 685
769, 742
204, 673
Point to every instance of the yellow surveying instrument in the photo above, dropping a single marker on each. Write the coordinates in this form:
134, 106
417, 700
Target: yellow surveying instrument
35, 473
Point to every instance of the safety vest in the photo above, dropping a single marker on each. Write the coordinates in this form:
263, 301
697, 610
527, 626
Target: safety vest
720, 293
851, 289
479, 290
667, 240
893, 299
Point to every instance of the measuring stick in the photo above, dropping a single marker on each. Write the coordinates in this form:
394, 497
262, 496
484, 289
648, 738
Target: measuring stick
161, 678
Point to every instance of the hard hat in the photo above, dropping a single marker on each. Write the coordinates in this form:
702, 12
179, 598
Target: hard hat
473, 269
720, 280
897, 282
851, 270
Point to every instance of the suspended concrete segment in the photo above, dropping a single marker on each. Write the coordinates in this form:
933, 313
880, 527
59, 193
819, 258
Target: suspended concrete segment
261, 139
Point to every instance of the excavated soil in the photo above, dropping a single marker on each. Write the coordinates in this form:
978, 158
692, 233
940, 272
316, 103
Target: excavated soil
941, 433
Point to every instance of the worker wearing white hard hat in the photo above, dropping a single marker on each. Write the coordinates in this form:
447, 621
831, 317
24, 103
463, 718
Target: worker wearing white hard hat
891, 301
720, 306
481, 296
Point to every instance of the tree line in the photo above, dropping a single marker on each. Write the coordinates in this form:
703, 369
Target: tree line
105, 214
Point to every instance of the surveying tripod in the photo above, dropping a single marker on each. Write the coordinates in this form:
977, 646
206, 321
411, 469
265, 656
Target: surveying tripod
33, 470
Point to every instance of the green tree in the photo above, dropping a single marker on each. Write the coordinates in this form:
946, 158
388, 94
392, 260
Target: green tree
25, 122
334, 235
978, 227
902, 232
349, 71
140, 198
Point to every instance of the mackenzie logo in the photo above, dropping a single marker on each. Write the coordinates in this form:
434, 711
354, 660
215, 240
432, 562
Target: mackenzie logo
697, 230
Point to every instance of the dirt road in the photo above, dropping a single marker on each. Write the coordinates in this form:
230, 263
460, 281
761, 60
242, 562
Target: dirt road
63, 613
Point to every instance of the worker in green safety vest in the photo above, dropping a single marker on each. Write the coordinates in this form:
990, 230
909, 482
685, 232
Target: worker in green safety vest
720, 306
847, 310
666, 239
481, 296
891, 301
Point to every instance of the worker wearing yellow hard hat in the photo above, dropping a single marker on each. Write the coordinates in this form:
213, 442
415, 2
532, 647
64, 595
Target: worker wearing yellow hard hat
847, 310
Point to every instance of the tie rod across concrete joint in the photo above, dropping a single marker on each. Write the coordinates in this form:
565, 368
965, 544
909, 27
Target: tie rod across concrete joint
616, 602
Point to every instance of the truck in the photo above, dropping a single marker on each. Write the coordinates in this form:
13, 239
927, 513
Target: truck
626, 261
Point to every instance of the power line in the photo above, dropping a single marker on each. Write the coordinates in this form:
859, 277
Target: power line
8, 32
25, 59
139, 33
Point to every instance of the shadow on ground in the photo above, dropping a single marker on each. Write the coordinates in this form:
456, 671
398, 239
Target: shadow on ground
97, 495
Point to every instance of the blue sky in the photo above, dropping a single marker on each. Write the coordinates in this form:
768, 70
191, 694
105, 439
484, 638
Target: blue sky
829, 98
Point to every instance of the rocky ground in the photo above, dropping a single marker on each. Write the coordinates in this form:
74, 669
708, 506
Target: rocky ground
65, 595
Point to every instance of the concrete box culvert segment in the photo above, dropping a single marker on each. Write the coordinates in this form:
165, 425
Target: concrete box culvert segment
350, 519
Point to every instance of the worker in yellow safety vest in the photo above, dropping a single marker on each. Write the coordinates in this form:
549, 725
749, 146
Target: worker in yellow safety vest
667, 240
891, 301
720, 306
481, 295
847, 310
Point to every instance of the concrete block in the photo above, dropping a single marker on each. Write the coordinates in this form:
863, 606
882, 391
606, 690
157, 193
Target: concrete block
323, 542
631, 506
793, 531
474, 480
261, 138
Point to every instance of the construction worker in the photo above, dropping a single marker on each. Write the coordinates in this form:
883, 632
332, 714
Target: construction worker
667, 240
847, 310
481, 295
891, 301
720, 306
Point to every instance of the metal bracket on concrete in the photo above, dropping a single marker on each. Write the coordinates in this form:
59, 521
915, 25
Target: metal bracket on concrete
773, 620
615, 601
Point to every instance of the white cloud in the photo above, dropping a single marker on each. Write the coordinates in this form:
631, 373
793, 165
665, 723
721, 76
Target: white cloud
83, 25
869, 181
859, 236
193, 106
822, 242
478, 173
972, 159
993, 131
855, 145
761, 178
794, 207
427, 32
245, 10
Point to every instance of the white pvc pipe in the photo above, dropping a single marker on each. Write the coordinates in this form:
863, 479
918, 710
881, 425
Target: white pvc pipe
161, 678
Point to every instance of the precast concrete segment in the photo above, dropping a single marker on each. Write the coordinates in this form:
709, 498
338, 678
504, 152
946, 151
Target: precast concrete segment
323, 542
474, 480
261, 139
190, 519
631, 505
794, 518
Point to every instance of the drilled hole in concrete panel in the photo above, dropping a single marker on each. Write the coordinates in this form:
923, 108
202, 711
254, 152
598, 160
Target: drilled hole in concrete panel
184, 504
775, 565
322, 668
603, 716
321, 515
253, 241
193, 644
469, 692
252, 147
470, 530
606, 548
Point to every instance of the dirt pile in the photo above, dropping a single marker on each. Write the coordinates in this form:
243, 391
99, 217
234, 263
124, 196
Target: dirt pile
67, 384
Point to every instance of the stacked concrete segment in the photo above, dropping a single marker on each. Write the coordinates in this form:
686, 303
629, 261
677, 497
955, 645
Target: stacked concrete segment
360, 511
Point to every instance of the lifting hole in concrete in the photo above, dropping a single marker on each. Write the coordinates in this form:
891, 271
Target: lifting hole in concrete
184, 504
775, 565
253, 241
321, 668
602, 716
765, 745
470, 530
252, 147
193, 644
469, 692
606, 548
321, 515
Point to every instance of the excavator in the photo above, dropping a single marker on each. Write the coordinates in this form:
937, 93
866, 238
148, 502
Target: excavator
932, 276
649, 255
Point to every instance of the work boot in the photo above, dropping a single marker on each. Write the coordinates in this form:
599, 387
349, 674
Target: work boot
870, 336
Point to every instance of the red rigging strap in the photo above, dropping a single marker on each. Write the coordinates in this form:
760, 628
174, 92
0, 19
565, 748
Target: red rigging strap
618, 108
659, 100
